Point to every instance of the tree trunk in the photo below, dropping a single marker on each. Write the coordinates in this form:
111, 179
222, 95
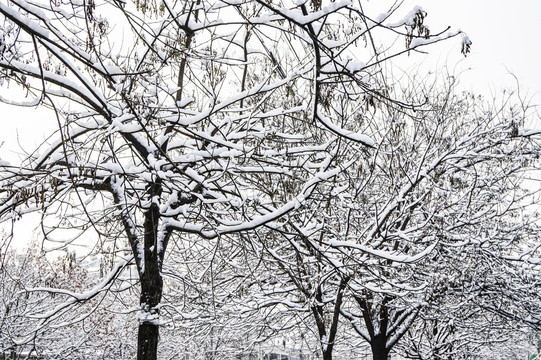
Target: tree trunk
327, 355
147, 341
151, 294
148, 335
380, 355
379, 348
151, 287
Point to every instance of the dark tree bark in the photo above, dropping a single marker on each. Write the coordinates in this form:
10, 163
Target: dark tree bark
327, 339
385, 326
147, 341
379, 348
151, 293
151, 284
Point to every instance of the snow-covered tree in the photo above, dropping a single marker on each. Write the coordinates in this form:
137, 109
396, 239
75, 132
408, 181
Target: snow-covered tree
97, 328
481, 305
410, 223
184, 121
450, 174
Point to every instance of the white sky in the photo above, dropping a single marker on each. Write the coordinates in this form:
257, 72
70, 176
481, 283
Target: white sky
506, 37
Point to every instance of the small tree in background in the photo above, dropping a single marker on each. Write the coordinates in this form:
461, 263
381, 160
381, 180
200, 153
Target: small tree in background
32, 289
438, 216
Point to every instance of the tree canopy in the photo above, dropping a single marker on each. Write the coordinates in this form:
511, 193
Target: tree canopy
212, 150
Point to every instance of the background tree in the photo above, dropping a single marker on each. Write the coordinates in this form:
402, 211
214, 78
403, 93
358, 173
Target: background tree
443, 199
453, 175
31, 299
459, 322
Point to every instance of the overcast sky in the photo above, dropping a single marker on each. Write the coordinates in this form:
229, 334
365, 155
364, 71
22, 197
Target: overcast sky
506, 36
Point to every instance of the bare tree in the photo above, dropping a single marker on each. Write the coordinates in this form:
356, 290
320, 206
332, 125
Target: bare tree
95, 327
479, 304
185, 120
445, 189
452, 173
